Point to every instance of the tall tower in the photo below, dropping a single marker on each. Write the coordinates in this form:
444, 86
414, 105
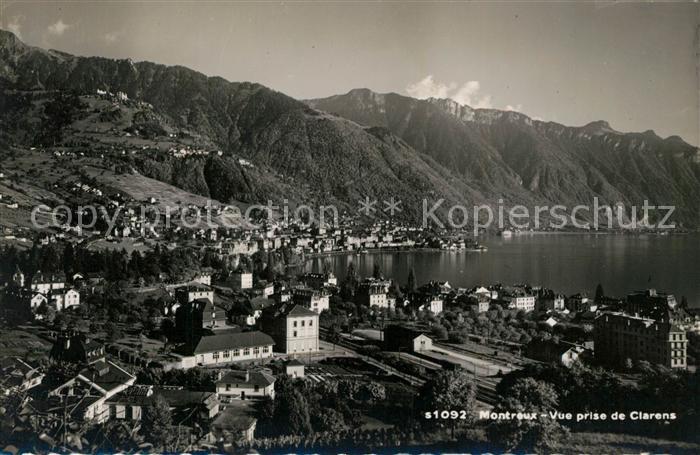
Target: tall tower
18, 278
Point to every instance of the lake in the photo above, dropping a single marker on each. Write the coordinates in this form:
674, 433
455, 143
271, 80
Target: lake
567, 263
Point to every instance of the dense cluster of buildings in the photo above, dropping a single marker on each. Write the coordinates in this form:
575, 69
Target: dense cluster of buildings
240, 324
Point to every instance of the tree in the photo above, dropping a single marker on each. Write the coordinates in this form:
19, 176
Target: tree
377, 272
350, 283
157, 424
371, 392
439, 331
450, 391
292, 413
411, 285
599, 293
539, 434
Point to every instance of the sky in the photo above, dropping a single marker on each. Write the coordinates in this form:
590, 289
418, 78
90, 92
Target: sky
632, 64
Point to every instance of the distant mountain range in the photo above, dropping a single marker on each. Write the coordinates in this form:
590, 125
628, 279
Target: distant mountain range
343, 148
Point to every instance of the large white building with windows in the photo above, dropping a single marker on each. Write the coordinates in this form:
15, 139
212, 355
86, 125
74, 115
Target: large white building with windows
293, 327
233, 347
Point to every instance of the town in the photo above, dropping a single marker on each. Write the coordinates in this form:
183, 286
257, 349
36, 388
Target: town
226, 344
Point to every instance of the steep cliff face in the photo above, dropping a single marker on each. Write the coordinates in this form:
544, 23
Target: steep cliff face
503, 150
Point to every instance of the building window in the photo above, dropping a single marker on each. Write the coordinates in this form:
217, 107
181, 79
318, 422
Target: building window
295, 323
236, 352
295, 333
246, 351
257, 388
311, 322
256, 350
266, 348
303, 323
215, 355
227, 353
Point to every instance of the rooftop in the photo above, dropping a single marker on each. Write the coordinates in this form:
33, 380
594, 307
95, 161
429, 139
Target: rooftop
230, 340
259, 378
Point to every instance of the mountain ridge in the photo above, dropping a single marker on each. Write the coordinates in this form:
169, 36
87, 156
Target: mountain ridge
347, 147
562, 164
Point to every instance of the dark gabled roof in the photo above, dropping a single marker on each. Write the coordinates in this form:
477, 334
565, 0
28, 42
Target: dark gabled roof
291, 309
106, 375
259, 378
181, 398
231, 340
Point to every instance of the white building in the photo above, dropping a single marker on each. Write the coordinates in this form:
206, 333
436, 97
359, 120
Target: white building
241, 280
316, 300
293, 327
520, 301
47, 283
192, 292
240, 385
233, 347
65, 298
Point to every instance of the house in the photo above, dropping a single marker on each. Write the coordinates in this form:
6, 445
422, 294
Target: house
316, 300
399, 337
549, 351
232, 347
18, 375
47, 283
191, 292
519, 299
186, 406
553, 302
65, 298
478, 302
580, 303
264, 289
197, 315
76, 348
235, 423
373, 293
240, 385
37, 300
87, 393
293, 327
294, 368
249, 312
241, 280
433, 304
203, 278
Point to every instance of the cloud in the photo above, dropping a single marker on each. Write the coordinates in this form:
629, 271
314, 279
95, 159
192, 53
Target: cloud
467, 93
517, 107
58, 28
15, 25
428, 88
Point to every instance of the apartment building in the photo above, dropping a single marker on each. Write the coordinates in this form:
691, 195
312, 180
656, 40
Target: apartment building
619, 336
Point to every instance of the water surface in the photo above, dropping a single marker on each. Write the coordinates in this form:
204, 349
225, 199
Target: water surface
567, 263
